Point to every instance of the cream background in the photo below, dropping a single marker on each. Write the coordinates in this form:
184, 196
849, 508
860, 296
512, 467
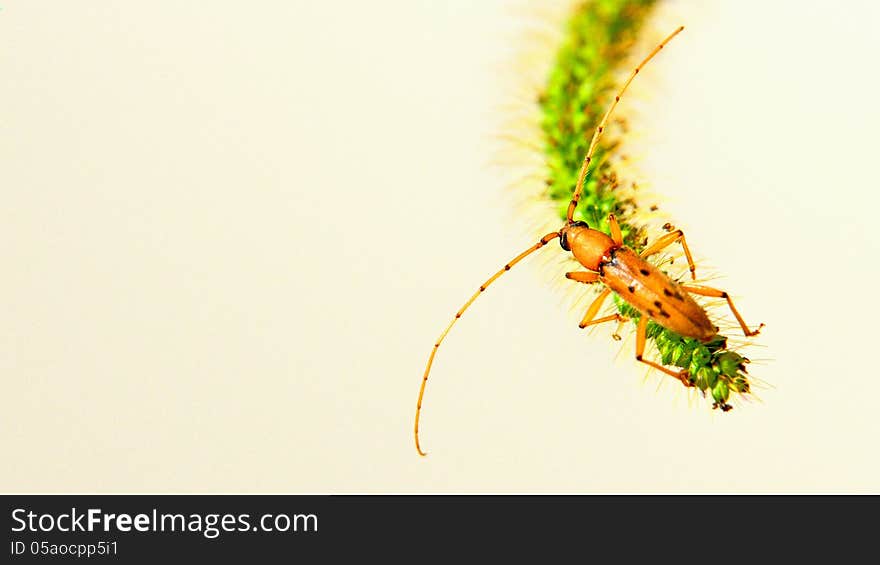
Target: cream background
231, 232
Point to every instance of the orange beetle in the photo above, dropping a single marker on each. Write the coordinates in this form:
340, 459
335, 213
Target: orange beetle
621, 270
645, 287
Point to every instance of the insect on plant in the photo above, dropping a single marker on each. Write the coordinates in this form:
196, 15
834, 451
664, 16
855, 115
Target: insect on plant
650, 293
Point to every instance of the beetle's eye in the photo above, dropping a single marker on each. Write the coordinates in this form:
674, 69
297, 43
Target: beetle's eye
580, 224
563, 242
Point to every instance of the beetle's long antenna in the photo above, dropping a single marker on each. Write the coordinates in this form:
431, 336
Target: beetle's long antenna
601, 128
485, 285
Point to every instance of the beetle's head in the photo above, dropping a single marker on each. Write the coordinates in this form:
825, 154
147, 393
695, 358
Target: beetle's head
587, 245
570, 228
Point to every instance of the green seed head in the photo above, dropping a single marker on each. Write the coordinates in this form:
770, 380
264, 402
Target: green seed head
701, 355
740, 384
720, 392
729, 363
706, 378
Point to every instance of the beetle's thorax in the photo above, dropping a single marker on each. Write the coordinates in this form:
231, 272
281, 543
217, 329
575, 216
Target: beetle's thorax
590, 247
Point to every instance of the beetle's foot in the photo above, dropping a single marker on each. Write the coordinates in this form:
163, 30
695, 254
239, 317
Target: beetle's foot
756, 331
685, 377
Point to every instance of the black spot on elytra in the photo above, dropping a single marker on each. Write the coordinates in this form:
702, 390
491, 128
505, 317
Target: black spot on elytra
645, 272
664, 314
651, 313
658, 305
666, 292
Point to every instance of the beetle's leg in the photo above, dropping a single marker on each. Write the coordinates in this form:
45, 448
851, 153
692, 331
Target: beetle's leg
589, 277
589, 320
715, 293
586, 277
616, 236
641, 335
603, 319
668, 240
